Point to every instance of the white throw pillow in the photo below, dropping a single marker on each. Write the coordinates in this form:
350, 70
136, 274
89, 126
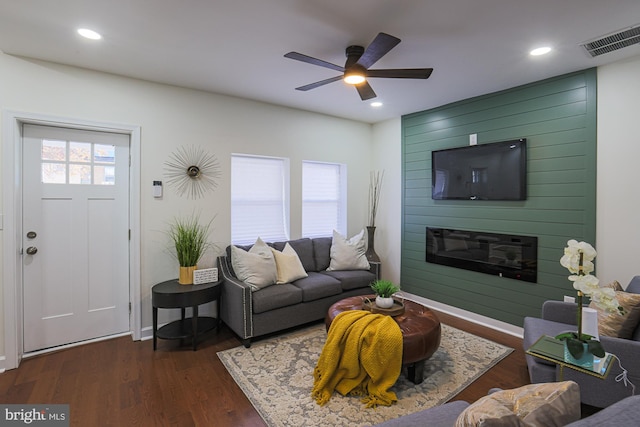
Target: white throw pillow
288, 265
348, 254
257, 267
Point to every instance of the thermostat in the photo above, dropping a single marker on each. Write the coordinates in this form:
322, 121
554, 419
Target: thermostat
157, 189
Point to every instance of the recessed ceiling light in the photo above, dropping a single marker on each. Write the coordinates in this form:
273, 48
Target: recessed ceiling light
376, 104
89, 34
540, 51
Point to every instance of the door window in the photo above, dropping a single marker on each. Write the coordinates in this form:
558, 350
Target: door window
73, 162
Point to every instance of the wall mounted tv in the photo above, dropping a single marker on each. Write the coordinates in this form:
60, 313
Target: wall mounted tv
494, 171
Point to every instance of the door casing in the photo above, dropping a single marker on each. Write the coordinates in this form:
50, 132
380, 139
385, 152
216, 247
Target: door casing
11, 222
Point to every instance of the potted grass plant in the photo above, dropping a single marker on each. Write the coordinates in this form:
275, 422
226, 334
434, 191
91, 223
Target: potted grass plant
384, 290
190, 240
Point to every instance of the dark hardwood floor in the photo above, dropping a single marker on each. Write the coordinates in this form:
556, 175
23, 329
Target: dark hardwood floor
120, 382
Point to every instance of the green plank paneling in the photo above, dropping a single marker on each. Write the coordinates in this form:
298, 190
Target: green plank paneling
557, 116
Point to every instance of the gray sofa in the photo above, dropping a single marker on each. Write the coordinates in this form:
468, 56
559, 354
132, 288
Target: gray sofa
278, 307
624, 413
558, 317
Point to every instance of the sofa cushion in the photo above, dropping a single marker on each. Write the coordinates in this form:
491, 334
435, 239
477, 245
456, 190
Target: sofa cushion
288, 265
352, 279
256, 267
273, 297
348, 254
616, 324
322, 252
318, 285
304, 249
546, 404
634, 285
625, 412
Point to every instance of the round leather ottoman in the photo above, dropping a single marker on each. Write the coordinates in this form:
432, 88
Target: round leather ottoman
420, 332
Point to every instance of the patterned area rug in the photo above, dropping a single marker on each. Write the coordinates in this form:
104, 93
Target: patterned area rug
277, 376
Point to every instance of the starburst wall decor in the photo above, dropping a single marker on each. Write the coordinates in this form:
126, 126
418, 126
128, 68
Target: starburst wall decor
192, 171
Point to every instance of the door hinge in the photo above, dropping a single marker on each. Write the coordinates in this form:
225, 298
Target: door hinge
129, 234
129, 308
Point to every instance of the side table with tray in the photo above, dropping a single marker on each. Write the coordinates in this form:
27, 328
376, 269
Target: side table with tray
552, 350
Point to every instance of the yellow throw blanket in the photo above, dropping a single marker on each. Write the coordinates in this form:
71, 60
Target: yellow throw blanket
362, 357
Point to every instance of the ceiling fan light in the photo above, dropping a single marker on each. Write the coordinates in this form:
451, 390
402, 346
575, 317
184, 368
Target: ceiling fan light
354, 78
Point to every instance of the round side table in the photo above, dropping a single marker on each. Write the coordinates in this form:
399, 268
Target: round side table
171, 294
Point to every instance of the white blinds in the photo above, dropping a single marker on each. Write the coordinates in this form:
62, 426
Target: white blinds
323, 199
259, 199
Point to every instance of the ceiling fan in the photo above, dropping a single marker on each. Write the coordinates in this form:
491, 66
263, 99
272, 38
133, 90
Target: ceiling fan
356, 69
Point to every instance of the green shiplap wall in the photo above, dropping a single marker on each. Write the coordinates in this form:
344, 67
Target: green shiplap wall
558, 118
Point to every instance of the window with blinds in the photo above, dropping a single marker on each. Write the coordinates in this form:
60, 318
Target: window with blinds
259, 199
324, 199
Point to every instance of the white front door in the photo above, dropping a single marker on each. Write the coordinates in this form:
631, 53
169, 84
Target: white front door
75, 235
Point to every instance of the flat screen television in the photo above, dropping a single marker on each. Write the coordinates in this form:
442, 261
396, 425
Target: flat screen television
494, 171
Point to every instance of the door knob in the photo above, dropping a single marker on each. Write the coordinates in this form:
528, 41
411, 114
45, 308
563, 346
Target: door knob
32, 250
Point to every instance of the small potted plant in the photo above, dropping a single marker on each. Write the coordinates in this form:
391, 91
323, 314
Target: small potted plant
384, 290
190, 239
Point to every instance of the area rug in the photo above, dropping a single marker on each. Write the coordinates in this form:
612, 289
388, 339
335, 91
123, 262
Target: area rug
277, 376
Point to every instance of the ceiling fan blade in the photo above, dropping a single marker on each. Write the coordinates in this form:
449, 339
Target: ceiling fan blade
318, 84
401, 73
366, 91
378, 48
314, 61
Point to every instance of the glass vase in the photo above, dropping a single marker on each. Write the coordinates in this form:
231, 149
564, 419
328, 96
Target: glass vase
586, 361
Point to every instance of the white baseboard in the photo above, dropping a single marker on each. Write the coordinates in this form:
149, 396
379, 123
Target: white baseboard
3, 365
498, 325
147, 333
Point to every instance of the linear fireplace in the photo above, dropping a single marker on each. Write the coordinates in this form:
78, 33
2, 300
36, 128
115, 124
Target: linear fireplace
504, 255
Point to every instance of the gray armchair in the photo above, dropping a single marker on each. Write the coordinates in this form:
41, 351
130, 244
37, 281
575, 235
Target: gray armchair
557, 317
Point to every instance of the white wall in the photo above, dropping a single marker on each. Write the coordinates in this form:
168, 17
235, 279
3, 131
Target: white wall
618, 206
387, 157
170, 117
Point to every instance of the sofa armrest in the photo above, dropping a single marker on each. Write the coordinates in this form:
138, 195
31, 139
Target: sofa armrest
560, 311
437, 416
236, 306
626, 351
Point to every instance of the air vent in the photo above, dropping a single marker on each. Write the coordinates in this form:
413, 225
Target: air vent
613, 42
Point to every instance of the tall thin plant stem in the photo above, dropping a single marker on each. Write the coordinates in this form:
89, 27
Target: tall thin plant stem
375, 186
579, 299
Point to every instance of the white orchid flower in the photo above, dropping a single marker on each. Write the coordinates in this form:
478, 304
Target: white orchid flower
571, 258
583, 281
